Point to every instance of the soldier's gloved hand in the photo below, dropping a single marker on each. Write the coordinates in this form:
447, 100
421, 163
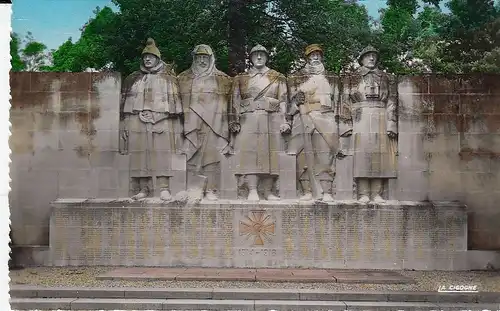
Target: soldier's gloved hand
234, 127
391, 134
300, 98
341, 154
146, 116
285, 128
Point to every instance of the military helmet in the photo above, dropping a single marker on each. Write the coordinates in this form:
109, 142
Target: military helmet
202, 49
366, 50
151, 48
259, 48
313, 48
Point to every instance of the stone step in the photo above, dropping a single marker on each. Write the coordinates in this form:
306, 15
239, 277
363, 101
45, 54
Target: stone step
234, 305
288, 275
28, 291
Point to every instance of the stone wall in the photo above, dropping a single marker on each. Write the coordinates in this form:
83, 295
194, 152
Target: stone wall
65, 139
450, 135
64, 144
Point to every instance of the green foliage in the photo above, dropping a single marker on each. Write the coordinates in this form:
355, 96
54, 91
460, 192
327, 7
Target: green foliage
472, 34
462, 41
411, 39
15, 57
34, 54
284, 26
91, 50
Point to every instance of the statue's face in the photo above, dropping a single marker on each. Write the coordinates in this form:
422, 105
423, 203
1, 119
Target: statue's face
315, 58
370, 60
202, 60
150, 60
259, 59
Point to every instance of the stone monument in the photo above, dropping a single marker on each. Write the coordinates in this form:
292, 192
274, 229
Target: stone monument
259, 127
205, 96
369, 117
314, 128
150, 127
257, 116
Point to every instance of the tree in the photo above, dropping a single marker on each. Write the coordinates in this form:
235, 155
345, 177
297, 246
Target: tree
91, 50
402, 31
63, 59
231, 27
472, 35
34, 54
410, 40
15, 57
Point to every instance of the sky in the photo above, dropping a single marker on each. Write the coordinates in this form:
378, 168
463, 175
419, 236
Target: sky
52, 22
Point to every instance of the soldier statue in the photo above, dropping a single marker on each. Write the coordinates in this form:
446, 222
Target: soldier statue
205, 96
256, 120
150, 127
314, 129
370, 113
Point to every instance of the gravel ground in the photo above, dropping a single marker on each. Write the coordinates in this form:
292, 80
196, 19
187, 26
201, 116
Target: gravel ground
86, 277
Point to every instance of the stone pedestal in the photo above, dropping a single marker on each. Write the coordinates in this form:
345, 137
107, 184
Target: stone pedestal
395, 235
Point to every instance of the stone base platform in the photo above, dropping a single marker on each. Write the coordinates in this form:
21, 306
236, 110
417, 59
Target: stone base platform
238, 234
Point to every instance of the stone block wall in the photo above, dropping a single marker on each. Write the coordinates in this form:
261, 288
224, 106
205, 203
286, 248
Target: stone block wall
64, 144
449, 147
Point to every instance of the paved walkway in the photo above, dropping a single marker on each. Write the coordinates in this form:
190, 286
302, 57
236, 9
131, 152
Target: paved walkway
257, 275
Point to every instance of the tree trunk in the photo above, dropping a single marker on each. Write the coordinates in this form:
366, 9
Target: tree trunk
237, 36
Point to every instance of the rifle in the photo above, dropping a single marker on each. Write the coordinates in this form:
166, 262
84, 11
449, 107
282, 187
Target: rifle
308, 149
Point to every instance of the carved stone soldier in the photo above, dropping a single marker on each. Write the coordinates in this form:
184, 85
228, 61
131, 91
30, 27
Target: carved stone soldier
370, 113
257, 117
205, 95
314, 130
150, 127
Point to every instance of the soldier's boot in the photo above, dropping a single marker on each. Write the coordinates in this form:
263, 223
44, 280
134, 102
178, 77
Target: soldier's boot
210, 195
253, 195
268, 188
306, 188
144, 189
364, 190
162, 183
376, 190
326, 185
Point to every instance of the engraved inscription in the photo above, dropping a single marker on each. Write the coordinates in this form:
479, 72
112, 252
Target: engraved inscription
337, 236
257, 251
305, 234
259, 226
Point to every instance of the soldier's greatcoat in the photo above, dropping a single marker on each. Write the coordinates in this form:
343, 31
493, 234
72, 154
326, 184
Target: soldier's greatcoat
259, 141
205, 99
152, 140
370, 109
318, 121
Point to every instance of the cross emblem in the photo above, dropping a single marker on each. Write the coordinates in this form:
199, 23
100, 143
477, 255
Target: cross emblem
258, 226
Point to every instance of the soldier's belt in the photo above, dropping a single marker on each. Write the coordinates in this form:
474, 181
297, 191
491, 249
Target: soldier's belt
369, 104
249, 105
